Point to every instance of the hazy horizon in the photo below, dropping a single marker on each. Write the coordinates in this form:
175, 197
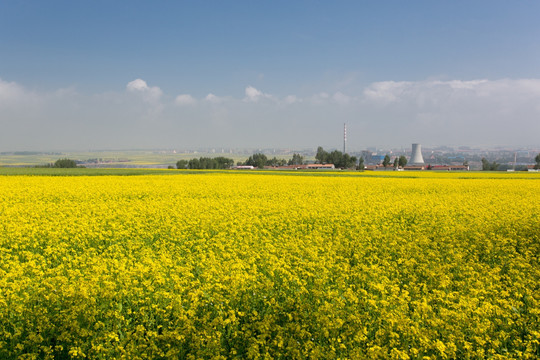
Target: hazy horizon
141, 75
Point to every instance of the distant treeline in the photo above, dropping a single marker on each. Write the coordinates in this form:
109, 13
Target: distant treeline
61, 163
259, 160
339, 159
219, 162
255, 160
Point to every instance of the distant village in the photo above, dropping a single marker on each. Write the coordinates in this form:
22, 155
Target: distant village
415, 158
371, 161
366, 161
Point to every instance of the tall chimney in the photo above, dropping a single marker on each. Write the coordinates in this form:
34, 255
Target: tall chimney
344, 138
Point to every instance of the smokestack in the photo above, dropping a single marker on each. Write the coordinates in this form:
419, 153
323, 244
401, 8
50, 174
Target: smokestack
344, 138
416, 156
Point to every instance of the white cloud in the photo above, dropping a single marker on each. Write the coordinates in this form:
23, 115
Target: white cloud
324, 98
185, 99
341, 98
291, 99
480, 111
150, 94
450, 93
386, 91
11, 92
213, 98
320, 98
468, 112
458, 84
254, 95
137, 85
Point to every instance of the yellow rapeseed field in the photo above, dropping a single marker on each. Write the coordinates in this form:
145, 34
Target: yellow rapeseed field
270, 266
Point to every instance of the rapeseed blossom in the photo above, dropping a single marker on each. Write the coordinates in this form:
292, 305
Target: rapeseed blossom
253, 266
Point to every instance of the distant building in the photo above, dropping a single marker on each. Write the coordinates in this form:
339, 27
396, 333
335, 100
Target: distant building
414, 167
450, 167
286, 167
321, 166
416, 155
377, 159
302, 167
379, 167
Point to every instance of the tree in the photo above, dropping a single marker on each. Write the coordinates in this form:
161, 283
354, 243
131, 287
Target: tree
219, 162
223, 162
194, 164
207, 163
346, 161
181, 164
386, 160
297, 159
402, 161
321, 155
361, 165
537, 159
487, 166
396, 162
276, 162
335, 157
65, 163
352, 162
339, 159
257, 160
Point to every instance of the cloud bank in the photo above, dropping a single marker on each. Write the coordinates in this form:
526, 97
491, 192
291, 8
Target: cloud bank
149, 94
185, 99
386, 113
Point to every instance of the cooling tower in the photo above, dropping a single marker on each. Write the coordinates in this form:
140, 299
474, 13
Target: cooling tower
416, 156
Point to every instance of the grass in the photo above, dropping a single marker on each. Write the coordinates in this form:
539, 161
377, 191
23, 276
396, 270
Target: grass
31, 171
26, 171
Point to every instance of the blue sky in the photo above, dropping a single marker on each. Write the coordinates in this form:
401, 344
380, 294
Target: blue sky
67, 65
